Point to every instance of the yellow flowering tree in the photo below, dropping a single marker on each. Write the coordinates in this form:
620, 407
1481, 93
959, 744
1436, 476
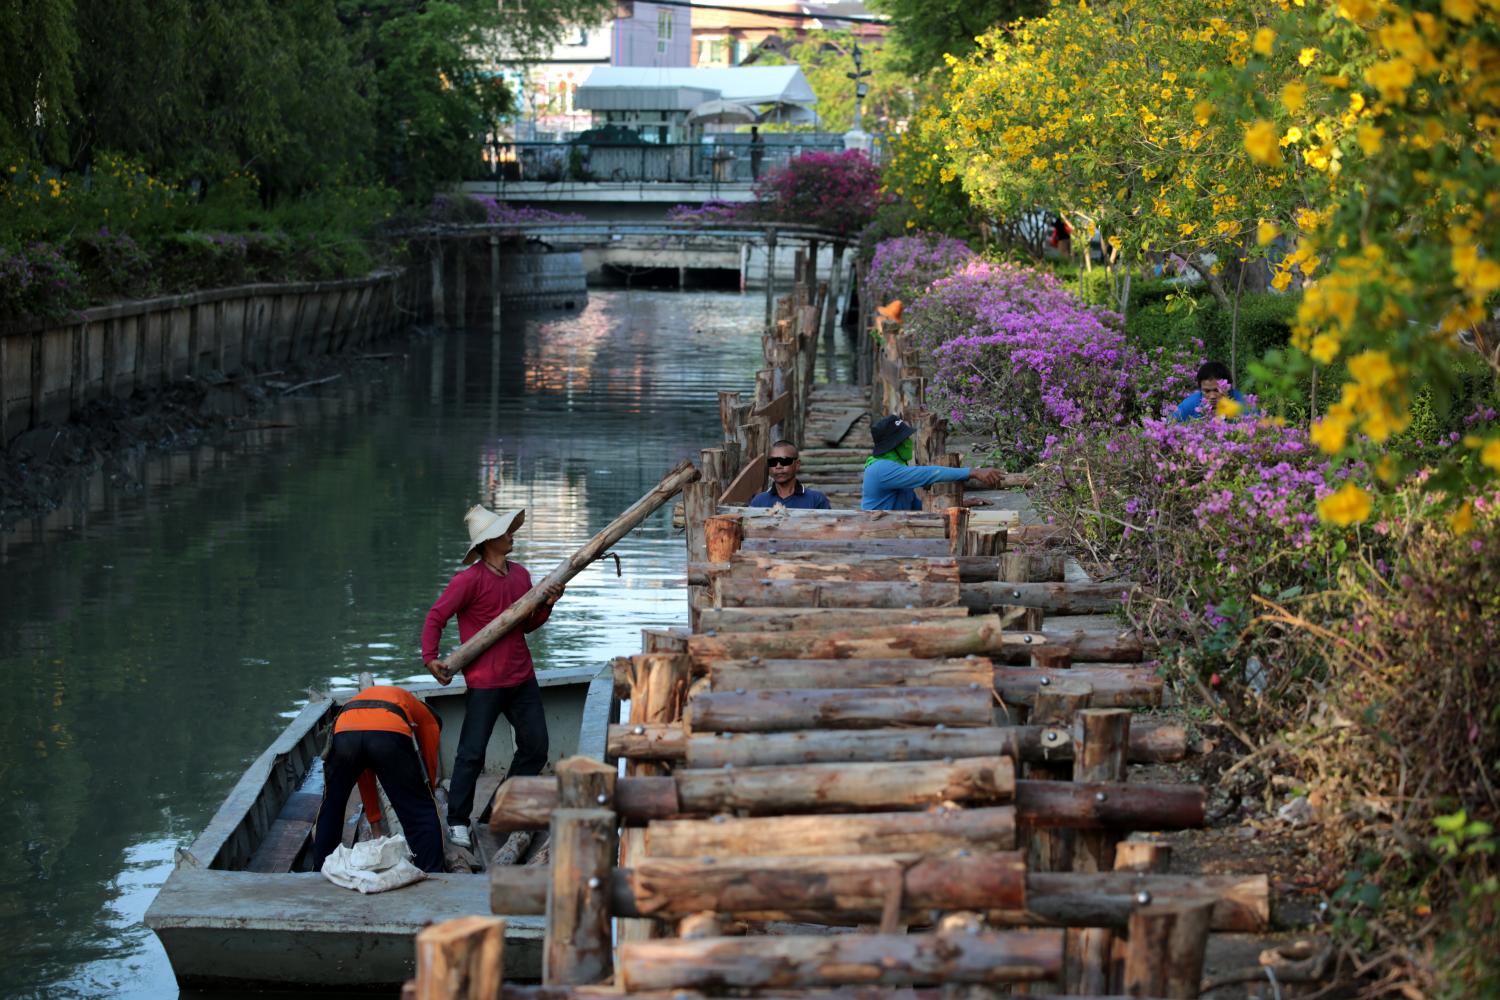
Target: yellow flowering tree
1396, 104
1106, 113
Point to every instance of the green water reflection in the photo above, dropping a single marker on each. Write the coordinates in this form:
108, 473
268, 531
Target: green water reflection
155, 647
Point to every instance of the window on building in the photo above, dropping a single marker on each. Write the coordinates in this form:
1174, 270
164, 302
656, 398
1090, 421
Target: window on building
663, 29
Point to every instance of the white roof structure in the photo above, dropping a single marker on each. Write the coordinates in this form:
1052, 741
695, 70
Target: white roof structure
645, 88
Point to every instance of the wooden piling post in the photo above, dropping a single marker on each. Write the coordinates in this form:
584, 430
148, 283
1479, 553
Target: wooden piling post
1101, 737
770, 272
723, 535
495, 304
578, 945
1164, 951
658, 689
461, 959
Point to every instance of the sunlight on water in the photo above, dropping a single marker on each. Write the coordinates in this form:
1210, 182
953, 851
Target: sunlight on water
156, 642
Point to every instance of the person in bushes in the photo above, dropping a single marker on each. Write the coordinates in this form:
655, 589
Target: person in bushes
1214, 383
890, 481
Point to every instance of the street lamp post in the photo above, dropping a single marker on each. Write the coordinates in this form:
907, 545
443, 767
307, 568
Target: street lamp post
856, 137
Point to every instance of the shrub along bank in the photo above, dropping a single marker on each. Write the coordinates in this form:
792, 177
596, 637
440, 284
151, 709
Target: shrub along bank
1347, 639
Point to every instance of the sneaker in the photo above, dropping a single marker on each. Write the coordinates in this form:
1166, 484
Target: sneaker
460, 836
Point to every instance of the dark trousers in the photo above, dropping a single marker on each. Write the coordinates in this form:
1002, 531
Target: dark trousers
522, 707
393, 758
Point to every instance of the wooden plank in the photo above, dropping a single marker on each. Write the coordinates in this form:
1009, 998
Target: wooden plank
776, 410
461, 959
750, 481
761, 674
846, 787
736, 592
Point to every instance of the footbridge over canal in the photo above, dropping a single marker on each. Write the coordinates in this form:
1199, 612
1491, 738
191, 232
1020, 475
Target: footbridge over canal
547, 263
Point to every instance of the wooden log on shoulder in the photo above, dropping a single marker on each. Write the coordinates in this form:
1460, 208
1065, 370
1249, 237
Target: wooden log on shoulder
772, 711
680, 476
943, 828
741, 592
795, 619
761, 674
1033, 744
846, 787
886, 959
1055, 598
674, 887
461, 959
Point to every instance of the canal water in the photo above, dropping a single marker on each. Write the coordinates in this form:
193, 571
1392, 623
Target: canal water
152, 648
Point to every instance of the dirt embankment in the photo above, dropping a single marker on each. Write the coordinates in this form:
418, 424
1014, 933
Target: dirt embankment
39, 467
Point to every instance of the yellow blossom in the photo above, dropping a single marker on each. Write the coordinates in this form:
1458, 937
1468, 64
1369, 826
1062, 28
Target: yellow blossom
1306, 57
1265, 40
1392, 78
1460, 10
1462, 520
1372, 368
1350, 505
1325, 347
1330, 433
1370, 137
1282, 280
1262, 145
1293, 135
1490, 454
1294, 96
1227, 407
1202, 112
1266, 232
1387, 469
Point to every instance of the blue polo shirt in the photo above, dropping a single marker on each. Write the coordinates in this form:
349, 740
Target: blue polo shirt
801, 499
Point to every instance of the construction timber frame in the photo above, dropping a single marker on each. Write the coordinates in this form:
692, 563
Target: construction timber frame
889, 757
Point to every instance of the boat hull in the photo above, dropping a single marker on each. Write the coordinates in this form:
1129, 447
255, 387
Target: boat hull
223, 927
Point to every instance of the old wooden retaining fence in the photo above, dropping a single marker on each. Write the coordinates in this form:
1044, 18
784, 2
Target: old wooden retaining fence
890, 754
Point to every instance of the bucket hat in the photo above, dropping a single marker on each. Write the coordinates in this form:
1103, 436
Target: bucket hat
888, 432
486, 524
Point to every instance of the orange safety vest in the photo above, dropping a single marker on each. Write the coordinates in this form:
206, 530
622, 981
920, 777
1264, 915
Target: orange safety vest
413, 719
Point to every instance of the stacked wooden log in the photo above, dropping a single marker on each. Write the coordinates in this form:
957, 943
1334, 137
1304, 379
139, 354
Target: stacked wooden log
890, 755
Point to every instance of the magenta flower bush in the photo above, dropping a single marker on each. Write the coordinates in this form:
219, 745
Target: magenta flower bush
500, 213
837, 191
1016, 355
1207, 514
708, 212
903, 267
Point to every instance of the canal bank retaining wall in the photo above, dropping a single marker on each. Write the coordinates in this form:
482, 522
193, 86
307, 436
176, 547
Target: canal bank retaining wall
51, 369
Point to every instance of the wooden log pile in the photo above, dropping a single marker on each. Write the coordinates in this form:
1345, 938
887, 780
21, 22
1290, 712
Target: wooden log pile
891, 756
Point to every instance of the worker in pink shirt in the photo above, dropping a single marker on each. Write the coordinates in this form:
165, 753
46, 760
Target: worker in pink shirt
501, 680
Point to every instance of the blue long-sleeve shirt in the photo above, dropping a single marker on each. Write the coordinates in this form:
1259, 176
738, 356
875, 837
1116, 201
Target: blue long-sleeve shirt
889, 485
1188, 408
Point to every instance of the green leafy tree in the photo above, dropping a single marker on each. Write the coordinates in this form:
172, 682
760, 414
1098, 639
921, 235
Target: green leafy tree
827, 58
927, 31
38, 47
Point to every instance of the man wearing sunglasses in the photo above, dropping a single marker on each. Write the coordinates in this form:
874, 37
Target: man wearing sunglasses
786, 490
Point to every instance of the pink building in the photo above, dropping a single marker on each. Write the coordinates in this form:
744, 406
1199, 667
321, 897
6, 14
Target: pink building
648, 34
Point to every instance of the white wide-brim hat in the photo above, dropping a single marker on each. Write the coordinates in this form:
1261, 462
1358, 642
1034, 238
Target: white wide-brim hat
486, 524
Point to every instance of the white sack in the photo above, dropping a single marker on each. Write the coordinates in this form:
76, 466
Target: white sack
372, 865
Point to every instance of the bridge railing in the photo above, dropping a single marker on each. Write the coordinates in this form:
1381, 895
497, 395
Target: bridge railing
693, 162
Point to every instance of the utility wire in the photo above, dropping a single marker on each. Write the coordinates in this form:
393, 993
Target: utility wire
787, 14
